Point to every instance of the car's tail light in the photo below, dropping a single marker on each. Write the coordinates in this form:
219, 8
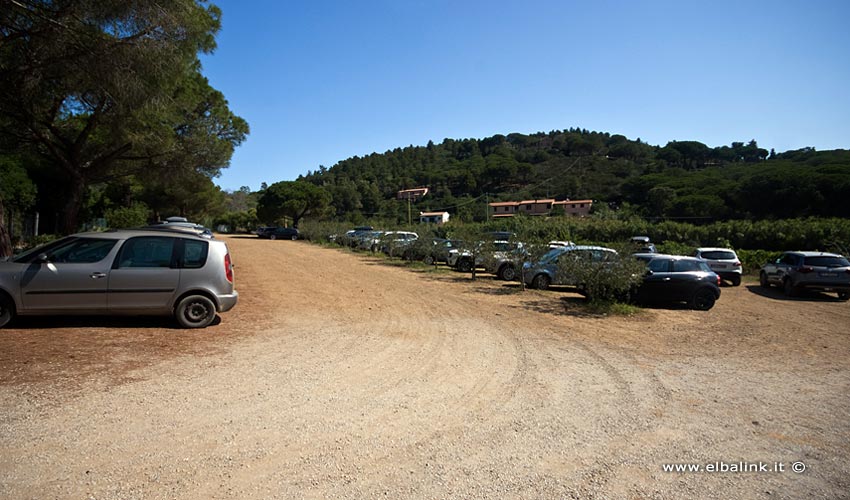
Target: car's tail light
718, 280
228, 268
737, 264
804, 269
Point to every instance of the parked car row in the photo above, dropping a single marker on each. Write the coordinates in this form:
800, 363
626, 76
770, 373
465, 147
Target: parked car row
694, 280
278, 233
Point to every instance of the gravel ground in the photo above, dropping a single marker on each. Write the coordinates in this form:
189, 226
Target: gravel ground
339, 376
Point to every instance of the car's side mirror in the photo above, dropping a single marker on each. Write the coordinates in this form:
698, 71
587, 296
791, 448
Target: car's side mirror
649, 272
42, 259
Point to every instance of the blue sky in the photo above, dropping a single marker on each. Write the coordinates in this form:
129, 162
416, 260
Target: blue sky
321, 81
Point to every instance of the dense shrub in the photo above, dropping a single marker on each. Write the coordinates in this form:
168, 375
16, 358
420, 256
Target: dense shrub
323, 232
124, 217
752, 260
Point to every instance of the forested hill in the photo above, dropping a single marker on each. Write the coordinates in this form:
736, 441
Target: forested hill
683, 179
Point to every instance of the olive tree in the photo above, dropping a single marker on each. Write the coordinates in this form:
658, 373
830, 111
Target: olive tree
603, 277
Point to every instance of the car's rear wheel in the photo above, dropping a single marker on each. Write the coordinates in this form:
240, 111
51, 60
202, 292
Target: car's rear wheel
272, 236
507, 272
541, 282
841, 296
294, 237
703, 300
195, 311
763, 282
735, 280
428, 260
7, 310
789, 288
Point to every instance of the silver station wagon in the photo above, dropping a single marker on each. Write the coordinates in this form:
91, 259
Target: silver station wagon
127, 272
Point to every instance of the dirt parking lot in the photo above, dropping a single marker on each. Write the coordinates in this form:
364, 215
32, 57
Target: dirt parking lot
339, 376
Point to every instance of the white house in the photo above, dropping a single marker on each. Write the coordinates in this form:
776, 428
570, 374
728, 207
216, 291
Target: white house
434, 217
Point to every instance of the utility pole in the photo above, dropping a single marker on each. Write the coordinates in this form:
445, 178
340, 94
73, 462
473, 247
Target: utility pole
486, 207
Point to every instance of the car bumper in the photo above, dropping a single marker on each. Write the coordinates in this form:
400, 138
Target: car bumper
226, 302
728, 274
825, 286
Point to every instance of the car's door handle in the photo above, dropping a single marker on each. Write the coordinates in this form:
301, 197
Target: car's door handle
666, 279
98, 275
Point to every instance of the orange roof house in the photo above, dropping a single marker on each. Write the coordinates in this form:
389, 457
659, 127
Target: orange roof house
539, 207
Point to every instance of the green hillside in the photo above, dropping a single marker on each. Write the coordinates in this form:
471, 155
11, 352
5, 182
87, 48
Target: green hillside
682, 180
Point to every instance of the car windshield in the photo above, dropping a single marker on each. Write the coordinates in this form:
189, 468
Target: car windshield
718, 255
552, 254
504, 246
827, 261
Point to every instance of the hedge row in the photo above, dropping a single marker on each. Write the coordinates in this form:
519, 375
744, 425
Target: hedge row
756, 242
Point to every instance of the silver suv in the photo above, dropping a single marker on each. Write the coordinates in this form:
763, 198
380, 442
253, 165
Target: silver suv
796, 271
136, 272
543, 273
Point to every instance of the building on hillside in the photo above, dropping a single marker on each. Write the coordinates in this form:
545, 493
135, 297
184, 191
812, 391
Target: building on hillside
433, 217
412, 194
579, 208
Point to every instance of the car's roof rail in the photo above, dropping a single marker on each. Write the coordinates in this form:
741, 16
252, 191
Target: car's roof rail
184, 231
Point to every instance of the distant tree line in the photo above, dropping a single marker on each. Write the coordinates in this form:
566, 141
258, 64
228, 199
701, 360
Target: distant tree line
681, 180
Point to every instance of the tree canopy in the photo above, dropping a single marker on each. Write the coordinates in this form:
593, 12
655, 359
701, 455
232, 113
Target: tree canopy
112, 89
292, 199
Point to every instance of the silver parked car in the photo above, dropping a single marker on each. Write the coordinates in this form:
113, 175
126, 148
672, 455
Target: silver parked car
818, 271
183, 224
543, 273
134, 271
723, 261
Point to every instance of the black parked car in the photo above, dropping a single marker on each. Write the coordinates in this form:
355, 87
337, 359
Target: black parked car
672, 278
279, 233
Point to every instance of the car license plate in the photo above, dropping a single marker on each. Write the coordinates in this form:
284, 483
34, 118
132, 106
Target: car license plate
720, 266
828, 275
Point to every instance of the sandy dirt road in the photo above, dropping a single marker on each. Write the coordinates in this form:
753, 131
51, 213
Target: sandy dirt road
338, 376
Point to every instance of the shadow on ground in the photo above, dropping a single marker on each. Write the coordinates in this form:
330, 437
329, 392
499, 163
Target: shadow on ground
128, 322
803, 296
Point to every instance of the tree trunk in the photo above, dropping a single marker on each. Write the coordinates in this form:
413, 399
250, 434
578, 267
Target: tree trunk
5, 241
71, 212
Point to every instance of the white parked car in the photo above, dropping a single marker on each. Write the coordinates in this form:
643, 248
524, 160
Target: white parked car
393, 241
559, 243
723, 261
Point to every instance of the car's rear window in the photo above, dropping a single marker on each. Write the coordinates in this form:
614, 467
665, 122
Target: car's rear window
194, 254
826, 261
718, 255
